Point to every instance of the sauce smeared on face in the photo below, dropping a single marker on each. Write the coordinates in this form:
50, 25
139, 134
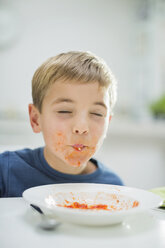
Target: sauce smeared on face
75, 155
75, 158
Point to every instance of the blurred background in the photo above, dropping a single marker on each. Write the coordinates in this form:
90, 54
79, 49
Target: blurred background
130, 36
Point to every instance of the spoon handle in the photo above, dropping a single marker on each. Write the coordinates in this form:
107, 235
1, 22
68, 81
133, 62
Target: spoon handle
37, 208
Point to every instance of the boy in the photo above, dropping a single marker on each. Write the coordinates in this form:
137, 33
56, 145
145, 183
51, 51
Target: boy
73, 97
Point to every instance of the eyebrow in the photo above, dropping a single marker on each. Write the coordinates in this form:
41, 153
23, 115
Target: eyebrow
100, 104
61, 100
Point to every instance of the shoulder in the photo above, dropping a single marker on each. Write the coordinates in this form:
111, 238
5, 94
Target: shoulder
27, 154
4, 156
13, 157
106, 175
16, 170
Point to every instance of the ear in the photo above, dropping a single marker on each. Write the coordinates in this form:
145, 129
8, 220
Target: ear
110, 117
34, 116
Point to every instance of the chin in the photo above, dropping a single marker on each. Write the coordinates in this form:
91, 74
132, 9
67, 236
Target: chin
77, 163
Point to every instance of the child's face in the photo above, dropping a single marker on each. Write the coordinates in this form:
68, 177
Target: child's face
74, 122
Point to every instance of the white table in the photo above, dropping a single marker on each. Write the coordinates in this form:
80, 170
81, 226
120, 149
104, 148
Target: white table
18, 228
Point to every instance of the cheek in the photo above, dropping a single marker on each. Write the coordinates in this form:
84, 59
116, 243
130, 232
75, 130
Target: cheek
54, 137
59, 141
54, 133
99, 131
99, 134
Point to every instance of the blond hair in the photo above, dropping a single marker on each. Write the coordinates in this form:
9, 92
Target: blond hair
74, 66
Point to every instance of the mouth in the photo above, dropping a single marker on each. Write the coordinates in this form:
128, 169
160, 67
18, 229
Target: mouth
79, 147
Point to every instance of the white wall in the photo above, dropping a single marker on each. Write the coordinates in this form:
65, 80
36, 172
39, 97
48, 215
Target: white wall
47, 27
139, 161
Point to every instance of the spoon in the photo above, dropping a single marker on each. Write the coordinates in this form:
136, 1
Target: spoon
46, 222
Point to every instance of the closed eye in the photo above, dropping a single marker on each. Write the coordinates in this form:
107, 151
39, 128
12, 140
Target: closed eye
64, 112
97, 114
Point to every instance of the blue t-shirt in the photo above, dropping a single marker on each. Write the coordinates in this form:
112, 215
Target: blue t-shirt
23, 169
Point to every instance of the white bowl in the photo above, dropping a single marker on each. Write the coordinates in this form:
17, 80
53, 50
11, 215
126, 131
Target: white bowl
120, 202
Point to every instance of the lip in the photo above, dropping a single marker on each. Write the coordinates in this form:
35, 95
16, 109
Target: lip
78, 147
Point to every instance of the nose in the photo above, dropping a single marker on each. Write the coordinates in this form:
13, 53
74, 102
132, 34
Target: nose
80, 127
79, 131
